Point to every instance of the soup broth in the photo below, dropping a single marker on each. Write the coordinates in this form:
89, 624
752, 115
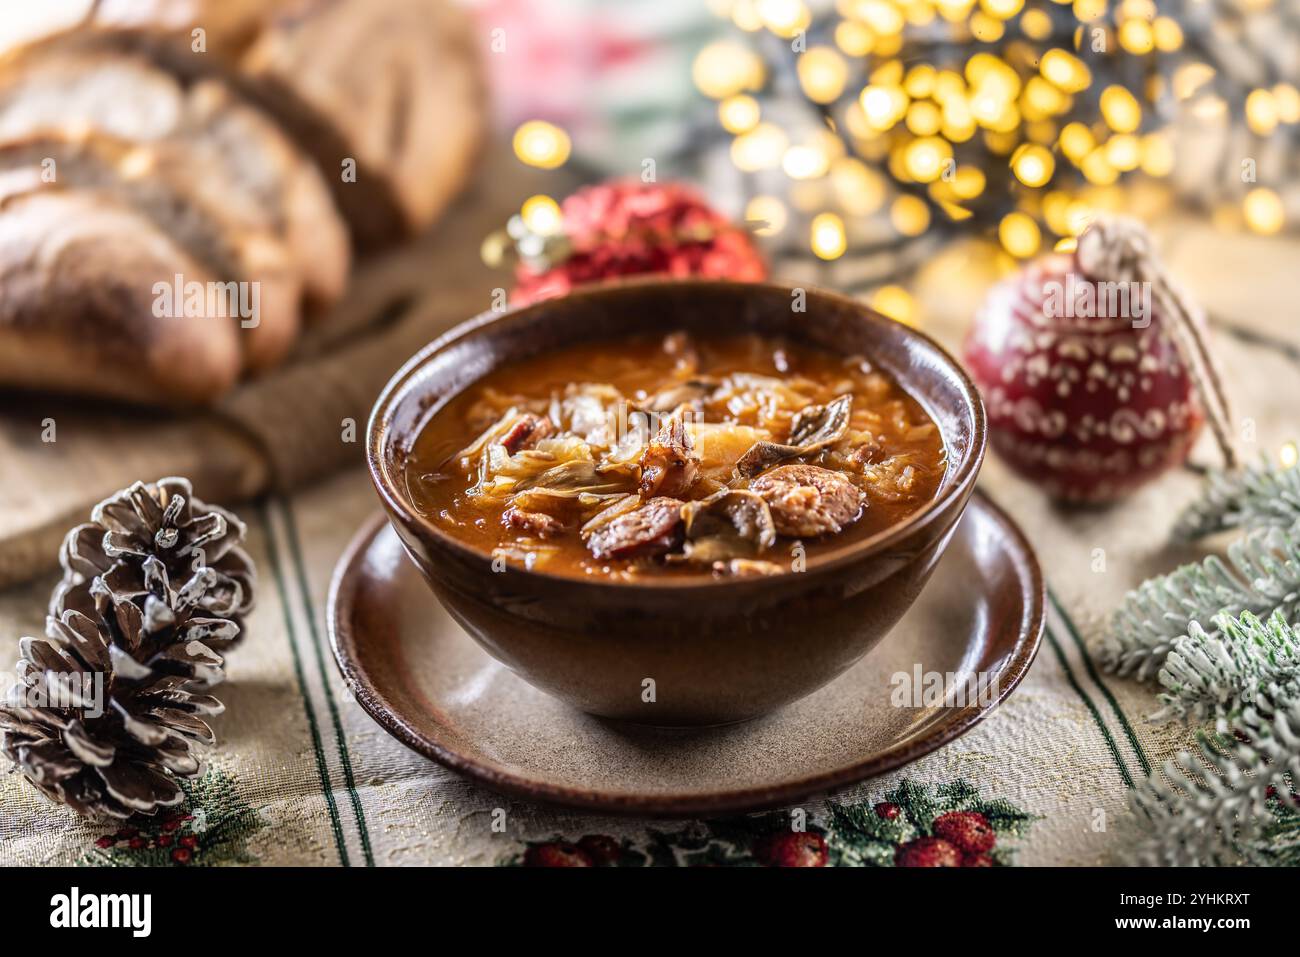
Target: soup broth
631, 458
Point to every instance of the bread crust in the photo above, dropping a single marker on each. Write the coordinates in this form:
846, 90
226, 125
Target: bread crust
77, 315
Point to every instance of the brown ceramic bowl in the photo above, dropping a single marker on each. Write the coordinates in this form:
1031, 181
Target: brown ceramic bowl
718, 650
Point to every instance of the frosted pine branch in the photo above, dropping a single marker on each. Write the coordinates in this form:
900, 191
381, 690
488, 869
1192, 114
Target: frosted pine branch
1214, 810
1261, 496
1245, 662
1261, 575
1226, 804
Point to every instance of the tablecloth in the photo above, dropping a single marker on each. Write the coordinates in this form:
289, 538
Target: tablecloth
302, 776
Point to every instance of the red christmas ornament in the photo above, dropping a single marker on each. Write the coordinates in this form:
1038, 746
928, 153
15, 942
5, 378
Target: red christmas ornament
633, 228
1094, 369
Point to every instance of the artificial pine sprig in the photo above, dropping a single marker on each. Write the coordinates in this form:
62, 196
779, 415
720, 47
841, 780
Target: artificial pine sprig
1260, 496
1261, 575
1224, 805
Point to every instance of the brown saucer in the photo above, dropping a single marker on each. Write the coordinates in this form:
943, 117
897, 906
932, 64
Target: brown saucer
427, 682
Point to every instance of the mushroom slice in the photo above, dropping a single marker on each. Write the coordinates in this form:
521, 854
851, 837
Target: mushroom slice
729, 524
813, 429
573, 479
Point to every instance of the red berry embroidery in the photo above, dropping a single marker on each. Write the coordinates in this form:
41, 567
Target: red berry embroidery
601, 849
928, 852
792, 849
968, 830
556, 854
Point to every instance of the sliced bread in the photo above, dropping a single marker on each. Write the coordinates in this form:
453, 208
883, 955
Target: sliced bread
172, 185
81, 274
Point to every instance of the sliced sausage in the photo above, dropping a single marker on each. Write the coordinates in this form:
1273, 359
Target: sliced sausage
527, 432
652, 529
538, 523
807, 501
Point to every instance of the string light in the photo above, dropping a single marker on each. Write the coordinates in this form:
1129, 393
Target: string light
805, 162
541, 144
739, 113
1033, 165
896, 303
725, 68
910, 215
1263, 210
828, 240
1005, 111
541, 214
822, 74
1019, 235
760, 148
1120, 109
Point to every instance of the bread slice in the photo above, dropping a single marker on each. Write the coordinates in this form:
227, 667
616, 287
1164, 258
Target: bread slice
79, 273
394, 85
172, 185
72, 83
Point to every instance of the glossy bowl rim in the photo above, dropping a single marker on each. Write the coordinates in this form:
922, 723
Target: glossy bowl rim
955, 494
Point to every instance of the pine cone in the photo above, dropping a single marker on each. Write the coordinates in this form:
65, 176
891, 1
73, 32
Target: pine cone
108, 714
190, 542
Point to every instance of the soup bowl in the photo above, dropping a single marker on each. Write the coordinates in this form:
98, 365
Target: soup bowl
681, 650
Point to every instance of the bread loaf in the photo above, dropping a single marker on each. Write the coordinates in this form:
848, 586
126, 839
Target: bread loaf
220, 144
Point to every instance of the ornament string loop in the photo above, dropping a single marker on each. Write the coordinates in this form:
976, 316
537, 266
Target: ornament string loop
1119, 249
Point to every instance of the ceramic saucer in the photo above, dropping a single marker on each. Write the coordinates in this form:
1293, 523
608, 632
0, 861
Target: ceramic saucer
427, 682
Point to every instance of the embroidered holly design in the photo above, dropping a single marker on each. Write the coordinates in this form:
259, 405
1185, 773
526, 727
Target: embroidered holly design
914, 825
211, 826
920, 825
1281, 836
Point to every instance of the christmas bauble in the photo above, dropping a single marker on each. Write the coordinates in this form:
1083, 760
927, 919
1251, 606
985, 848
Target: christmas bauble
633, 228
1088, 392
